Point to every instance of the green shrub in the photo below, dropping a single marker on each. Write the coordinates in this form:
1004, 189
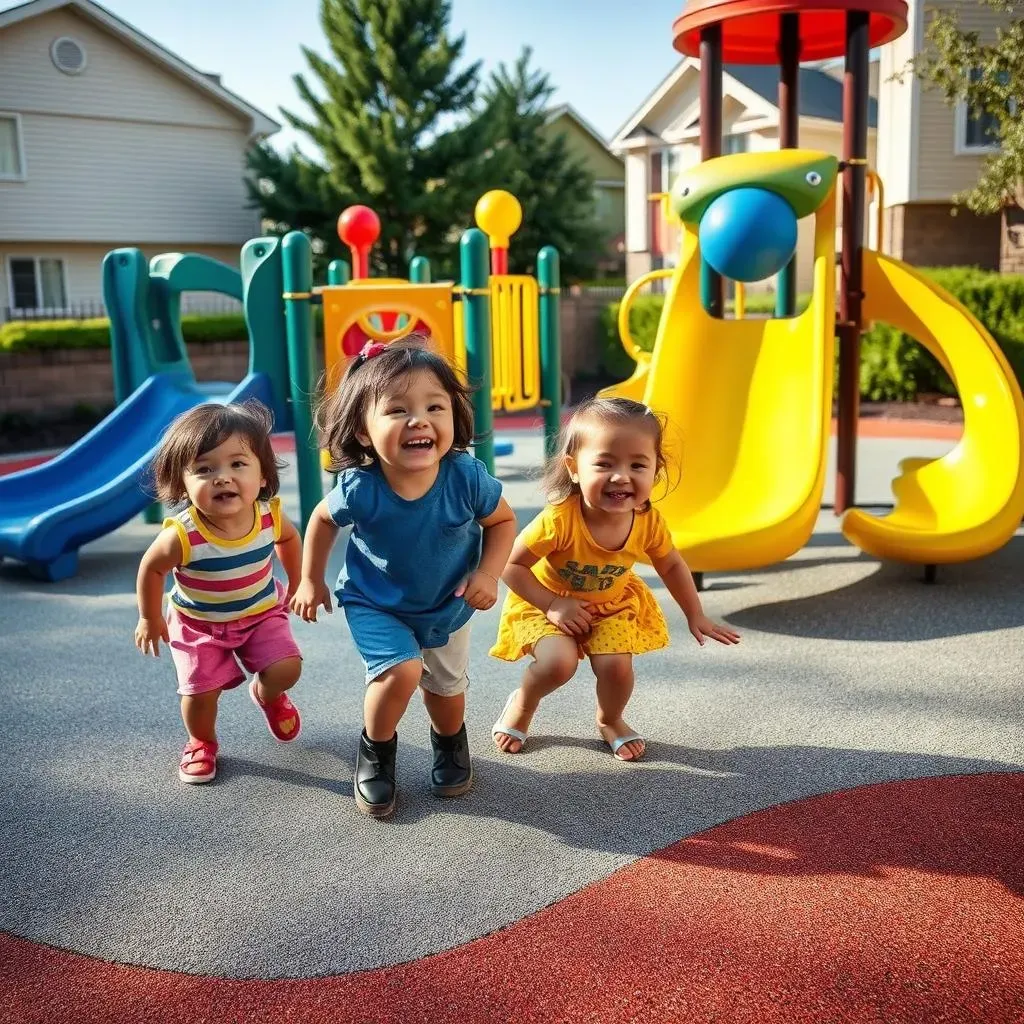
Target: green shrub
893, 366
33, 335
643, 325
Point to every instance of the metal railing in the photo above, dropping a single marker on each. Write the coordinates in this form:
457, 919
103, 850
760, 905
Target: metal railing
89, 309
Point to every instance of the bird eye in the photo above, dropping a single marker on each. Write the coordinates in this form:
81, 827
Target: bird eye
684, 192
813, 178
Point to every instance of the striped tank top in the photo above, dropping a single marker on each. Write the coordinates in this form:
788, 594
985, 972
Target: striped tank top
222, 580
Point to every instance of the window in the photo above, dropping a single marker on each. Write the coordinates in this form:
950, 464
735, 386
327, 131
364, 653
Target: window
36, 283
735, 144
671, 165
12, 152
977, 131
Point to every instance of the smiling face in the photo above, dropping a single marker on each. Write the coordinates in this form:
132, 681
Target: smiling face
226, 480
411, 427
615, 467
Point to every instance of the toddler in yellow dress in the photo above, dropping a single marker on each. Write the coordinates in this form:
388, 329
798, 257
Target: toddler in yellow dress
572, 589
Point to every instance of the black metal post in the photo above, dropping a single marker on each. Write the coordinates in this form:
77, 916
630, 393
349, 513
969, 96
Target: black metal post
855, 152
711, 140
789, 135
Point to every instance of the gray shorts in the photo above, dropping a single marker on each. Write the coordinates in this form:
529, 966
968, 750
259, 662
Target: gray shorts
383, 642
445, 669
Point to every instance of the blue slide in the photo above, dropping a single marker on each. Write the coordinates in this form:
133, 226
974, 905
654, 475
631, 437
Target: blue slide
48, 512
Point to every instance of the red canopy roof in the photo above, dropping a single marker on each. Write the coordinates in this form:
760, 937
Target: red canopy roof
750, 28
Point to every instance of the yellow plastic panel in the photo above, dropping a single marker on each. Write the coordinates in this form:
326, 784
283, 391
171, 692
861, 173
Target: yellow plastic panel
515, 342
969, 502
749, 404
357, 302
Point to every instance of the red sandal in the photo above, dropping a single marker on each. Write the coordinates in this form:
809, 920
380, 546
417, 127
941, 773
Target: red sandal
281, 714
202, 753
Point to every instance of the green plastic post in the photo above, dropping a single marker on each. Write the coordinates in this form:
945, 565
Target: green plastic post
785, 297
710, 289
476, 312
262, 284
337, 272
298, 286
550, 346
419, 270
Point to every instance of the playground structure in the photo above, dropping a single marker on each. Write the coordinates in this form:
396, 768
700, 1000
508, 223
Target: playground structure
750, 401
515, 346
101, 482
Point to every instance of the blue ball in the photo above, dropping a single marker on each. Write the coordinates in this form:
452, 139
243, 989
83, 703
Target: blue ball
748, 234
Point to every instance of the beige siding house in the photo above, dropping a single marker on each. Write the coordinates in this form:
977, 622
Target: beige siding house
587, 145
107, 140
662, 139
928, 151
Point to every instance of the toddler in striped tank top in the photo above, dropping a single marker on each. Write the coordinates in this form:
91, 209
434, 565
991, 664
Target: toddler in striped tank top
225, 608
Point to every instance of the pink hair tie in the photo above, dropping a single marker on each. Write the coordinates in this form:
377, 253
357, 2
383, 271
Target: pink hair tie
369, 350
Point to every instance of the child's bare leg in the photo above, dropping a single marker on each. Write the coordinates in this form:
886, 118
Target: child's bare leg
614, 688
277, 678
387, 697
199, 713
555, 660
446, 713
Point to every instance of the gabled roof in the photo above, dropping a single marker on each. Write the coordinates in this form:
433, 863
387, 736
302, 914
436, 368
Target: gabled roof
821, 95
205, 82
564, 109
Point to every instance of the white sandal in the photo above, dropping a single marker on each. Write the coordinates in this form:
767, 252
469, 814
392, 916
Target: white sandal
499, 729
620, 741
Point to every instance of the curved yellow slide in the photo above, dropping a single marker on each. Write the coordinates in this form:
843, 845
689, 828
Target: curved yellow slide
749, 407
969, 502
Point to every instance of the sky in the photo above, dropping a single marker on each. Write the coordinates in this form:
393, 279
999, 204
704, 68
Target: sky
603, 58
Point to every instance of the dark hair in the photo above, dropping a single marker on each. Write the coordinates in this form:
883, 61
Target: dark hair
341, 413
556, 482
199, 431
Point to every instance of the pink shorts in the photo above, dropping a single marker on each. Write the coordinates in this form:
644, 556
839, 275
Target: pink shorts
206, 654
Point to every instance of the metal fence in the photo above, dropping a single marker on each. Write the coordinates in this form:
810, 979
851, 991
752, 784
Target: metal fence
88, 309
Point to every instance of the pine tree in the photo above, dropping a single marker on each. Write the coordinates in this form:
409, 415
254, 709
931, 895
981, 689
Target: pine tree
392, 121
555, 190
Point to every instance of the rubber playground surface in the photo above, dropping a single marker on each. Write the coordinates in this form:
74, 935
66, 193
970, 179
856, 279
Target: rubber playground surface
827, 826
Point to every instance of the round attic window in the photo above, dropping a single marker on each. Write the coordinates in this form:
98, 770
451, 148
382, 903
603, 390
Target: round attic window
68, 55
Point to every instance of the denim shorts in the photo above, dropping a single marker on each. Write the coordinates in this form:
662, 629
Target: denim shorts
384, 641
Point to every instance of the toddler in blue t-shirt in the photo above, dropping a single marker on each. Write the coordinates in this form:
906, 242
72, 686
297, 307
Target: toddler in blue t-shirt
430, 537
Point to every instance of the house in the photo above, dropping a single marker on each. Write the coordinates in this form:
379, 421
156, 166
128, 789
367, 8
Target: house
586, 145
662, 139
107, 140
928, 151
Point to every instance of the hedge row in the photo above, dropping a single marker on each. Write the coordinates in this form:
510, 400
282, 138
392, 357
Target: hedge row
32, 335
893, 366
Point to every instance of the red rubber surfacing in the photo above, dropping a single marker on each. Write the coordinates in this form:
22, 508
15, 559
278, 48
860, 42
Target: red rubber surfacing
898, 903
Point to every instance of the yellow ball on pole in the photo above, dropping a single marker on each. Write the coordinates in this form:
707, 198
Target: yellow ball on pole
498, 215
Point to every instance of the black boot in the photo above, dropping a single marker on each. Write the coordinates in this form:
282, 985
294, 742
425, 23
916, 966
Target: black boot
452, 774
374, 783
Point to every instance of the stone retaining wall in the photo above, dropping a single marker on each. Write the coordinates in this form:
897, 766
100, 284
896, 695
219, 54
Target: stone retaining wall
56, 381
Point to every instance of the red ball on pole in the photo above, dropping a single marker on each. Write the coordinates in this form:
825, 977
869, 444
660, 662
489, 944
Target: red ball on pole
359, 228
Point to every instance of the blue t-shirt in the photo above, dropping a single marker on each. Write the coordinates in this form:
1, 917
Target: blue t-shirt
407, 558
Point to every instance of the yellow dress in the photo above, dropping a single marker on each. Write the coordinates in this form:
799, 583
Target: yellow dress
627, 618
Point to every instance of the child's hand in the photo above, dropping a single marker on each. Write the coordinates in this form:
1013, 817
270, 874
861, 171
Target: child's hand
479, 591
570, 616
148, 634
310, 595
702, 627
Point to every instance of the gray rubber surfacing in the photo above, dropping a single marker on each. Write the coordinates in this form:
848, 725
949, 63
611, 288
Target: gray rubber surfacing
849, 673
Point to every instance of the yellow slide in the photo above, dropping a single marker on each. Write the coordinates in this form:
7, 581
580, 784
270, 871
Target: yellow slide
749, 404
970, 502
